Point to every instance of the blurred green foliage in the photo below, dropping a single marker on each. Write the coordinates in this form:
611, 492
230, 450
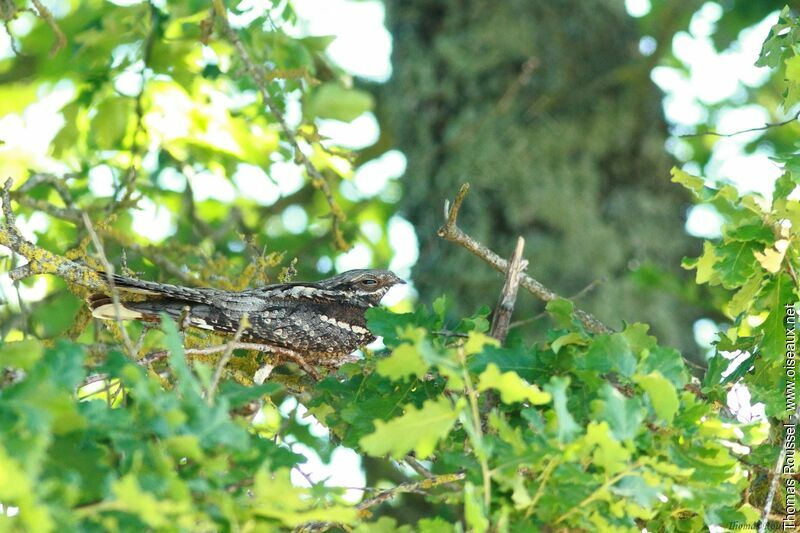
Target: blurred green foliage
575, 430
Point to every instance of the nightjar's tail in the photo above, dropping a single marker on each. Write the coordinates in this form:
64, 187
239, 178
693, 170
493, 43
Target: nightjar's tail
102, 306
169, 299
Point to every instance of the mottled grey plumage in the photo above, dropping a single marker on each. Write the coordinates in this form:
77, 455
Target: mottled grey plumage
323, 321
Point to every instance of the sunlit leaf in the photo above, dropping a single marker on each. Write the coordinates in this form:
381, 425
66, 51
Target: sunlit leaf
416, 430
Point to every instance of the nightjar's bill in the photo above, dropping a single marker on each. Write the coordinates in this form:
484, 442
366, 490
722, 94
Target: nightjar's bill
322, 321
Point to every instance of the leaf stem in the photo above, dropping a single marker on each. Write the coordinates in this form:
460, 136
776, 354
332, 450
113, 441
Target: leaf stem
554, 462
477, 434
597, 493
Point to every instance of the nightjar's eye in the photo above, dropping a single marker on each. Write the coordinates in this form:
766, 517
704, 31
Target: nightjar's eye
369, 282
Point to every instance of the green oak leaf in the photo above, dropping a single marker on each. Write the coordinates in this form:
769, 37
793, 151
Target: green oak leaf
332, 100
662, 394
737, 263
417, 430
567, 428
704, 265
608, 452
609, 353
406, 360
624, 415
512, 387
477, 341
694, 184
20, 354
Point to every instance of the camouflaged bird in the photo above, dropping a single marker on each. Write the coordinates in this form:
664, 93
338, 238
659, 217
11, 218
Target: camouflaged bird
323, 321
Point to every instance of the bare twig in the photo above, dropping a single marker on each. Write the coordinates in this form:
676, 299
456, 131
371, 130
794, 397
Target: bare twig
262, 374
587, 289
47, 16
446, 333
7, 26
109, 271
69, 211
540, 491
381, 497
51, 179
94, 378
127, 184
261, 81
277, 350
307, 477
418, 467
508, 297
23, 311
451, 232
776, 476
414, 486
748, 130
226, 356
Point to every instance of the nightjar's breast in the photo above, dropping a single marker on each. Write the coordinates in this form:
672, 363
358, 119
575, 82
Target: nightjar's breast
325, 330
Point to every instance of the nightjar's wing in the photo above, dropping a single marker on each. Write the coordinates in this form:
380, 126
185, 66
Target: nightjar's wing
215, 309
322, 320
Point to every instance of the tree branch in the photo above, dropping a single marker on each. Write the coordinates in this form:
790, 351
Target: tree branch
451, 232
291, 355
41, 261
47, 16
414, 486
776, 476
259, 78
749, 130
508, 297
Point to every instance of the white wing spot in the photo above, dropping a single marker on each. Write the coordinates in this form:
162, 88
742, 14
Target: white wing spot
200, 323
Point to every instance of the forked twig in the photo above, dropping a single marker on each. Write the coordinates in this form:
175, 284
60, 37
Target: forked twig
451, 232
748, 130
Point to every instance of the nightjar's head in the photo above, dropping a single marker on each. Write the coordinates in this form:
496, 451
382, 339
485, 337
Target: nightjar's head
366, 285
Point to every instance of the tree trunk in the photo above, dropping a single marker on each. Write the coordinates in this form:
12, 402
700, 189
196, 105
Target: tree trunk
547, 109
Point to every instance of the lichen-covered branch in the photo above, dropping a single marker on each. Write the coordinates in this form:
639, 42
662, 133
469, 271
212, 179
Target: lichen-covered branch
451, 232
414, 486
41, 261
